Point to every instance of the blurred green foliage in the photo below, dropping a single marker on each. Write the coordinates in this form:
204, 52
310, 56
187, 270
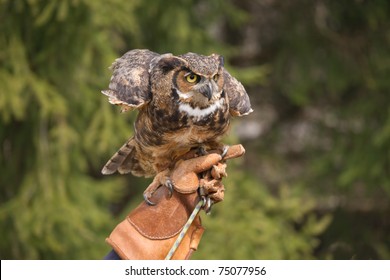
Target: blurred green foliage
315, 181
251, 223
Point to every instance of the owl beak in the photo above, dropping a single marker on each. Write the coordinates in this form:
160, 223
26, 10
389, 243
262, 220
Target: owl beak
206, 91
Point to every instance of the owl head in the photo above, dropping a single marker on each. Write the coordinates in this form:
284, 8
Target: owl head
142, 76
190, 78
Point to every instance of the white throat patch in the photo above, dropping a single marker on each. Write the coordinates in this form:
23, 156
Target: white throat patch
199, 113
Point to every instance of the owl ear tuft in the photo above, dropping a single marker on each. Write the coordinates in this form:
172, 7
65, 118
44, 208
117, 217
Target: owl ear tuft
221, 61
239, 103
129, 86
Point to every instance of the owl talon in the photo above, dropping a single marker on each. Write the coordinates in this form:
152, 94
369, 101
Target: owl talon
169, 185
159, 180
148, 201
224, 151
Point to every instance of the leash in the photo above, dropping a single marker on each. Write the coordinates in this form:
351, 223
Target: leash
185, 228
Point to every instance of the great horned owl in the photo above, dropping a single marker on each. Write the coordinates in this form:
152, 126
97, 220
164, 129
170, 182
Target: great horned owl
183, 101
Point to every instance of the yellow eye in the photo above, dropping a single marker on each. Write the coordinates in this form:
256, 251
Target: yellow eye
215, 78
192, 78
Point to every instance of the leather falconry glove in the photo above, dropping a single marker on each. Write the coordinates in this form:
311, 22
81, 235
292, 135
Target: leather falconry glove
149, 231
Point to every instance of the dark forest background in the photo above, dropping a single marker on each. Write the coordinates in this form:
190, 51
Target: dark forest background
315, 181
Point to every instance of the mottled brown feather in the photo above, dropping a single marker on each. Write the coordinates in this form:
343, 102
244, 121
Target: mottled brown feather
118, 160
129, 85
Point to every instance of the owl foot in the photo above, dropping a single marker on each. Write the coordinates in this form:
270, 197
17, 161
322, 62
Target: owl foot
201, 151
161, 179
169, 185
147, 199
193, 153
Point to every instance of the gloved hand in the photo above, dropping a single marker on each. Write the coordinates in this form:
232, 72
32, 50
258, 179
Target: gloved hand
149, 231
195, 173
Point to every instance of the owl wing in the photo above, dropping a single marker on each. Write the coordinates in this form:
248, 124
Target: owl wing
116, 162
239, 103
129, 86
